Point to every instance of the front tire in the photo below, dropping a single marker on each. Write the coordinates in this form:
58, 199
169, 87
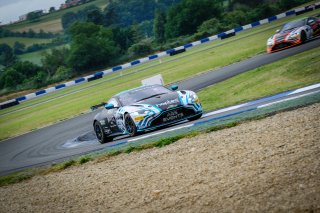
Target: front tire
101, 135
130, 125
303, 37
195, 117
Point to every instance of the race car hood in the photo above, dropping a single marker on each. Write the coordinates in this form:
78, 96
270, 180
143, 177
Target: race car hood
164, 101
280, 37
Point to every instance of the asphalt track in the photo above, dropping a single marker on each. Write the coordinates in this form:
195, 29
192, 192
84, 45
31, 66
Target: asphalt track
75, 136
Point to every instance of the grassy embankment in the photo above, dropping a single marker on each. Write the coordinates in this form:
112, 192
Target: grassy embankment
51, 22
192, 62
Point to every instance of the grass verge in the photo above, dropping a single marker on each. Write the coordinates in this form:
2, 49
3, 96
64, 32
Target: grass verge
290, 73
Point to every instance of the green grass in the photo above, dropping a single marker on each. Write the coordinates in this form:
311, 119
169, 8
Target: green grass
52, 22
194, 61
27, 41
290, 73
35, 57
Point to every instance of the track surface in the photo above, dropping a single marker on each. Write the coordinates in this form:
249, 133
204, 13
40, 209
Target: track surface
48, 145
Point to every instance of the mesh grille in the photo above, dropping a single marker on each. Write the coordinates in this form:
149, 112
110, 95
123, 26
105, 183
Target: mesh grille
172, 115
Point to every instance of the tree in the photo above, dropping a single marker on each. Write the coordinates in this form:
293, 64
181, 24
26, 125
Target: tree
61, 74
146, 28
21, 71
51, 61
128, 12
90, 13
110, 15
34, 16
26, 68
12, 78
52, 9
185, 17
95, 16
68, 19
250, 3
31, 33
142, 48
210, 27
123, 37
236, 18
39, 79
18, 48
7, 56
159, 26
92, 46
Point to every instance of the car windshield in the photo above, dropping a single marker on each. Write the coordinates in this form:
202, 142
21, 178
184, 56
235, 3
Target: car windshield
138, 94
292, 25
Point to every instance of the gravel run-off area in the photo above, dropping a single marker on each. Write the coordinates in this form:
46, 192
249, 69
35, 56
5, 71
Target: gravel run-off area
269, 165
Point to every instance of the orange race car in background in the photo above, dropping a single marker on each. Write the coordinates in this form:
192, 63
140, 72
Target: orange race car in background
294, 33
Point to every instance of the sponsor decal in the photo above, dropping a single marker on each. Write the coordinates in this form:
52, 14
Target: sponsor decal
168, 102
173, 115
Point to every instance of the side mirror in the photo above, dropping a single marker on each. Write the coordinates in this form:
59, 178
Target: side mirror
109, 106
174, 87
277, 30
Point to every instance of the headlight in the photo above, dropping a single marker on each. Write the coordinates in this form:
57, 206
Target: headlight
270, 42
193, 98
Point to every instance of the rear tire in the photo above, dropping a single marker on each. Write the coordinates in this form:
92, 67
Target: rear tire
195, 117
101, 135
303, 37
130, 125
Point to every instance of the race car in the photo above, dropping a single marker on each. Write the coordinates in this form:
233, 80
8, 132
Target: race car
145, 108
294, 33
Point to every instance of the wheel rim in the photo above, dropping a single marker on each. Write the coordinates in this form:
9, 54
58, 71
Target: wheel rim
98, 132
129, 125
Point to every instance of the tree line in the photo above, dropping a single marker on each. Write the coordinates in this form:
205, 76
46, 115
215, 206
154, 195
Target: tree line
26, 34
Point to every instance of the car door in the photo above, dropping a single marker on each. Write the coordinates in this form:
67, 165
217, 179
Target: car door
111, 115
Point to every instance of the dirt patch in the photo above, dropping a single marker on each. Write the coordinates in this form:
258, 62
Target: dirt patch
268, 165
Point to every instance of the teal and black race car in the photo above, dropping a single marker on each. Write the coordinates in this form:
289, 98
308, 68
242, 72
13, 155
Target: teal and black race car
145, 108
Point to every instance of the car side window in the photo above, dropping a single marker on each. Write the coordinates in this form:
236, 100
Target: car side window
114, 102
311, 20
